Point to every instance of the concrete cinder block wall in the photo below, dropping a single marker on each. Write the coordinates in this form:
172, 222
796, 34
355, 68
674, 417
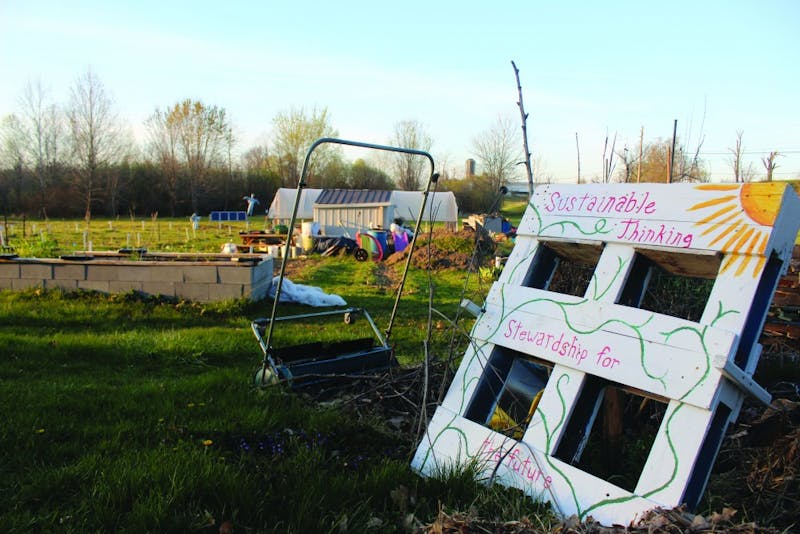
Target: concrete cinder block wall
202, 281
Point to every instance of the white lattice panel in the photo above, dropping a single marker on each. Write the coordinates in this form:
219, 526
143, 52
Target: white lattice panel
739, 235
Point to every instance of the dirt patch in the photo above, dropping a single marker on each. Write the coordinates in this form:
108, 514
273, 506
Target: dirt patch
293, 266
655, 522
449, 250
441, 250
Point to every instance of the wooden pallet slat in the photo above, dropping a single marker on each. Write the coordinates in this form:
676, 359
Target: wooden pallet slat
740, 236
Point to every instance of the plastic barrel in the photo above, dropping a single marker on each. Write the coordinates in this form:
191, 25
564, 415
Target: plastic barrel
306, 230
380, 237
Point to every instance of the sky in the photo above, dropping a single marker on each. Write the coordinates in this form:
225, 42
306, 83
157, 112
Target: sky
589, 71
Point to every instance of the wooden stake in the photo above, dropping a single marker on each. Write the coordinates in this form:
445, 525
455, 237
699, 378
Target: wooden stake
524, 116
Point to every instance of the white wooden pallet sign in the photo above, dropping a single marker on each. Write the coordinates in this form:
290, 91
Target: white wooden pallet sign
530, 388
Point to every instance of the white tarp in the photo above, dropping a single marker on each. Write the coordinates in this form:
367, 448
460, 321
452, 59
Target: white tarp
303, 294
282, 204
441, 204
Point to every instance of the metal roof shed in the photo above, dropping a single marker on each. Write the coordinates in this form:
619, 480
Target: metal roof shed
347, 211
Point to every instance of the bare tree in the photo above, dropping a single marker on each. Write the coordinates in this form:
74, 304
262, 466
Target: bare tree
608, 158
46, 131
94, 135
540, 171
189, 138
230, 142
203, 133
14, 154
736, 158
294, 133
36, 134
769, 164
495, 148
118, 175
163, 145
256, 159
628, 161
444, 164
741, 172
409, 167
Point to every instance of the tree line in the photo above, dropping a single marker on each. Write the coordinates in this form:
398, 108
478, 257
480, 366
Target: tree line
79, 159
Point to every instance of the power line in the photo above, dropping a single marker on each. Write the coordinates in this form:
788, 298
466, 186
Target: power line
751, 152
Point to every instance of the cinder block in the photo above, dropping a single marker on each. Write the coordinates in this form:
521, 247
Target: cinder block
225, 292
205, 274
102, 272
136, 273
118, 286
26, 283
42, 271
149, 272
166, 289
197, 292
95, 285
69, 272
235, 273
9, 270
66, 285
5, 283
167, 272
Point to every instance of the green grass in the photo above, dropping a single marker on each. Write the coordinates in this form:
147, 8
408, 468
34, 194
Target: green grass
513, 209
130, 414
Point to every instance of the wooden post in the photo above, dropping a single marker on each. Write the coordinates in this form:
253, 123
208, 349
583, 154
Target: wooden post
524, 116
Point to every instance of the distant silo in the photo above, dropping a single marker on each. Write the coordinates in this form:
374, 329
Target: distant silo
469, 171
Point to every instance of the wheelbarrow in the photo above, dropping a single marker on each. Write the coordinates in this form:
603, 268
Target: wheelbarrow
308, 363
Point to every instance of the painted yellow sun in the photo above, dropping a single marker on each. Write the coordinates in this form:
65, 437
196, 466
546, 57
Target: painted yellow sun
740, 221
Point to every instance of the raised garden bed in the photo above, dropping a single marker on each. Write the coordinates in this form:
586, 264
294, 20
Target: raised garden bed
197, 277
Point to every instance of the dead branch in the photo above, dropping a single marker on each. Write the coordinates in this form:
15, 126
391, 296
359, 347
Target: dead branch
524, 117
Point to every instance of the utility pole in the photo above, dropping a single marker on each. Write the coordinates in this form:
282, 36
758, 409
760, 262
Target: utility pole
672, 152
641, 148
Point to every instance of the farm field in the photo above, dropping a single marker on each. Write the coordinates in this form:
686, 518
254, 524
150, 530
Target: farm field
130, 414
37, 237
40, 237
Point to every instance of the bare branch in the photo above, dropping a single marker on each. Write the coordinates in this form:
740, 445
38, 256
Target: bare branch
524, 116
769, 163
